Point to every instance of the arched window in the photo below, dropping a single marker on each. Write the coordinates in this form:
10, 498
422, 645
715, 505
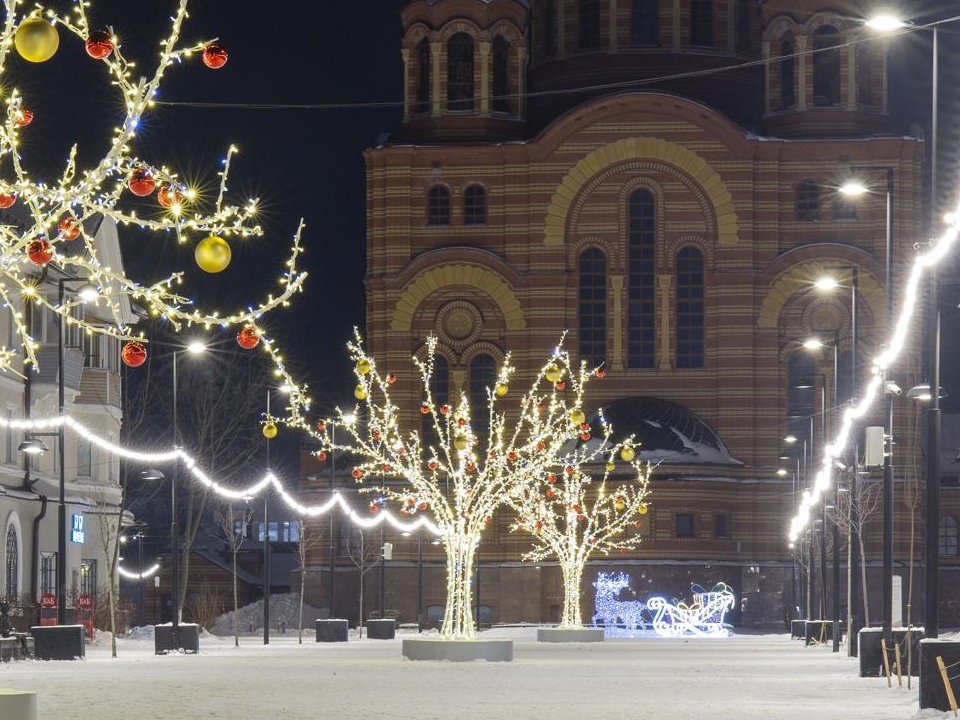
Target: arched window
460, 72
474, 205
948, 535
12, 563
550, 27
641, 305
801, 372
483, 375
438, 206
743, 35
645, 22
701, 22
589, 24
592, 307
501, 74
826, 66
808, 201
864, 73
423, 77
788, 86
690, 309
440, 393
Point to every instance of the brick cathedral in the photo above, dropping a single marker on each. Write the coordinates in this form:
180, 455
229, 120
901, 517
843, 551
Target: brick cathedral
659, 178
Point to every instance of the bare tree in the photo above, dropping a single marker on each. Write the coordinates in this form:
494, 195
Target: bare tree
365, 554
306, 540
109, 513
233, 527
912, 496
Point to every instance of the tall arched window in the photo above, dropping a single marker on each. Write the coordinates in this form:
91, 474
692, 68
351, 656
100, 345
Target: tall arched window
864, 73
483, 375
501, 74
948, 535
592, 307
701, 22
438, 206
788, 86
801, 378
550, 27
743, 34
808, 201
460, 72
645, 22
474, 205
12, 563
423, 77
826, 66
589, 34
690, 308
641, 304
440, 392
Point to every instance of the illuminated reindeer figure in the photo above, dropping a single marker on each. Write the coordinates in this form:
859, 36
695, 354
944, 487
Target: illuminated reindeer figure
612, 611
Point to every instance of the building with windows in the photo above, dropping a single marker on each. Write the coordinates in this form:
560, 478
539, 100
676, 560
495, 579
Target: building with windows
627, 171
29, 484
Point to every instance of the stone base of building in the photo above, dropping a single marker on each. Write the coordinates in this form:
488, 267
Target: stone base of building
186, 639
58, 642
570, 635
458, 650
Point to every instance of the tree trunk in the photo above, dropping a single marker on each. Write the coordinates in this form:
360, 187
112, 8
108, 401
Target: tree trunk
303, 583
360, 623
913, 516
236, 633
113, 617
850, 581
572, 586
863, 580
458, 613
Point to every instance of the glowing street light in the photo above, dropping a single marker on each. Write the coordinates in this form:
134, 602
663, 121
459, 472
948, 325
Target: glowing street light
826, 283
886, 23
790, 439
854, 188
813, 344
196, 347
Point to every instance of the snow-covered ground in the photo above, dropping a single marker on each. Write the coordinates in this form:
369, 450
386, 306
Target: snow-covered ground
746, 677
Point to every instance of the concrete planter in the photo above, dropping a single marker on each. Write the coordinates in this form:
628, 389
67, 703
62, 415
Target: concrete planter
58, 642
332, 630
871, 654
458, 650
798, 629
812, 630
18, 705
381, 629
932, 692
187, 639
12, 648
570, 635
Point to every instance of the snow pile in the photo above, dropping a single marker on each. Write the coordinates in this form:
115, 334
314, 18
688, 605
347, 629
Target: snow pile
145, 632
284, 613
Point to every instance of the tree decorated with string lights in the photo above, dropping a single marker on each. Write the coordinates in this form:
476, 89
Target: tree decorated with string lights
456, 473
53, 214
578, 509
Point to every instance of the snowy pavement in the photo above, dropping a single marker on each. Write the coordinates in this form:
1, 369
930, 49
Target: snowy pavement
747, 677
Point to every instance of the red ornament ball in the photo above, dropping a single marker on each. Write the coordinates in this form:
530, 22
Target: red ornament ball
551, 492
391, 378
561, 385
357, 473
600, 373
24, 117
214, 56
322, 426
133, 354
511, 456
584, 436
444, 409
248, 338
141, 182
376, 434
471, 467
7, 199
99, 45
461, 421
422, 506
551, 478
321, 456
40, 252
69, 228
568, 469
374, 508
425, 408
433, 465
386, 467
169, 195
541, 407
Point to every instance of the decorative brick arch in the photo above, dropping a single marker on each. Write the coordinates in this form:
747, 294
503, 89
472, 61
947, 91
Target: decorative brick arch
458, 274
802, 277
634, 149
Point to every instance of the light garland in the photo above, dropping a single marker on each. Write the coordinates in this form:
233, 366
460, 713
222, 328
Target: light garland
881, 363
145, 575
57, 211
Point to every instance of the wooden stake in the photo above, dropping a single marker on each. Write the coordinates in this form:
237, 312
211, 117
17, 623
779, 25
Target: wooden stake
886, 661
946, 684
896, 655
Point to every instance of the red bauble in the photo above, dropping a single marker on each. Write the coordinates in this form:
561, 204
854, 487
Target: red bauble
487, 520
471, 467
561, 385
322, 426
7, 199
425, 408
551, 478
540, 446
421, 506
585, 427
214, 56
585, 436
99, 44
511, 456
461, 421
69, 228
551, 492
623, 550
321, 456
541, 407
141, 182
600, 373
444, 409
248, 338
581, 518
169, 195
375, 434
40, 252
432, 465
133, 354
386, 467
374, 508
391, 378
24, 117
357, 473
568, 469
636, 524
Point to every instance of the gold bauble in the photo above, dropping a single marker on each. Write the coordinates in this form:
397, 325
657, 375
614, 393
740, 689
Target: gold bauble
610, 466
360, 392
552, 373
642, 509
628, 454
363, 366
576, 416
270, 431
460, 442
501, 389
213, 254
620, 505
36, 40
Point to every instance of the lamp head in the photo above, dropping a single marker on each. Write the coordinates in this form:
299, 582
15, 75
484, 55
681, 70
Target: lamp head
853, 188
33, 446
813, 344
196, 347
88, 293
826, 283
885, 22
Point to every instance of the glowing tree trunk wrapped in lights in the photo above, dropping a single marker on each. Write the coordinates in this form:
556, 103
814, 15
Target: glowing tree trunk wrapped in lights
573, 514
54, 212
461, 475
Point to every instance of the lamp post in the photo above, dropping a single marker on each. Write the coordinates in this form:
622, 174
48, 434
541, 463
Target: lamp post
266, 543
798, 592
811, 385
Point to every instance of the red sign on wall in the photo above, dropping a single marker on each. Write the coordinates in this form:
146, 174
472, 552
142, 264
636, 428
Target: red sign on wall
49, 600
85, 602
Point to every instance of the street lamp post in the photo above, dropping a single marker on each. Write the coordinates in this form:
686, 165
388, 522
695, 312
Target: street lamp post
266, 545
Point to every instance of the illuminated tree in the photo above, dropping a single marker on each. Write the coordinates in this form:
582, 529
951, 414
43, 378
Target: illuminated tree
465, 469
573, 514
53, 213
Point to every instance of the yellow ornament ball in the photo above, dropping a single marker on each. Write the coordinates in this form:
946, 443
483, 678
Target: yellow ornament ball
270, 431
642, 509
620, 505
501, 389
360, 392
552, 373
610, 466
213, 254
363, 366
36, 40
628, 454
576, 416
461, 443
